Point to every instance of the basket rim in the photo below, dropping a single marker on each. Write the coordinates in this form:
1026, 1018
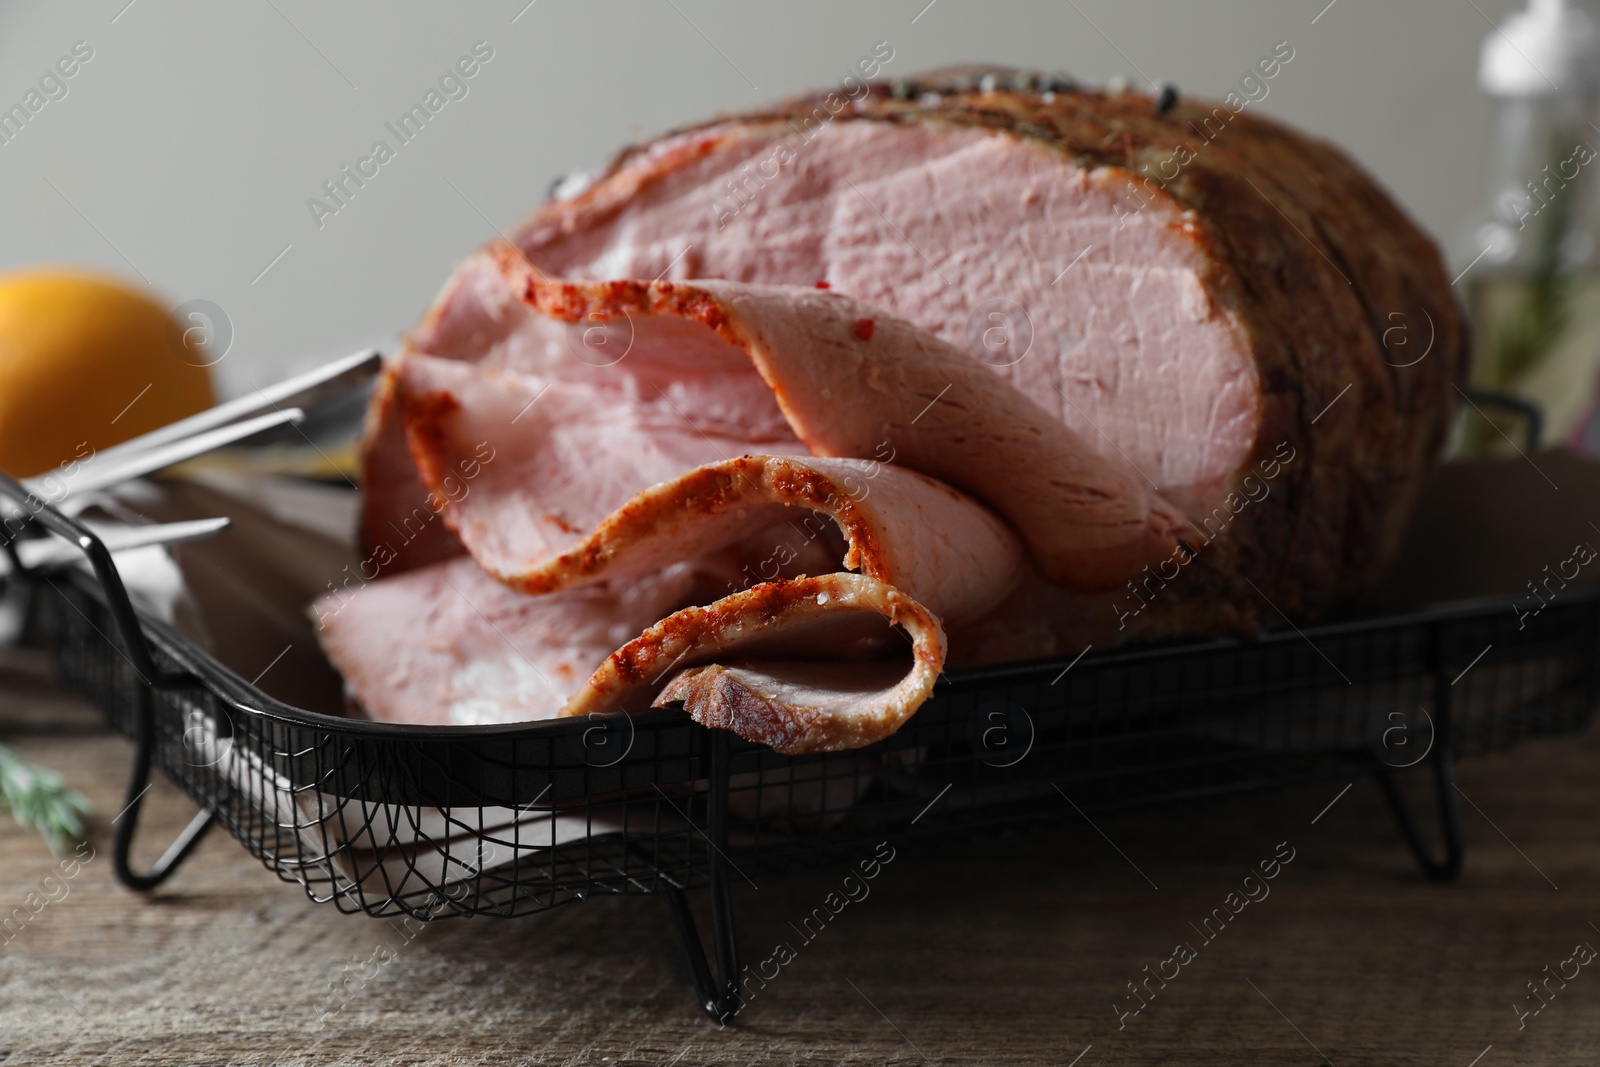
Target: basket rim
245, 698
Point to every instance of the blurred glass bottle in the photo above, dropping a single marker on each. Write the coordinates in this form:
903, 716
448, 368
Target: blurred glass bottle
1534, 289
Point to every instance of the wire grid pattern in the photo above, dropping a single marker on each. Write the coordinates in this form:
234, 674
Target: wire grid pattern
512, 820
1016, 747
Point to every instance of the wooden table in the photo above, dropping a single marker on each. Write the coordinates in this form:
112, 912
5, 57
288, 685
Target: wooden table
1004, 952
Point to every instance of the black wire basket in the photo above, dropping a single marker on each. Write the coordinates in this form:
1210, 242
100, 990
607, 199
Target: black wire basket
515, 819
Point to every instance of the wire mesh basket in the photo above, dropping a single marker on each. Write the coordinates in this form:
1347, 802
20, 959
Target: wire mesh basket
515, 819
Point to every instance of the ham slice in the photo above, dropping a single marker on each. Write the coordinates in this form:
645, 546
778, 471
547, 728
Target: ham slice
794, 665
849, 380
807, 665
446, 644
547, 459
400, 527
672, 398
899, 527
803, 665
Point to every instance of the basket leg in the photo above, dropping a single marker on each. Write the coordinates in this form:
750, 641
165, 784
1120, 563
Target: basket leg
719, 993
128, 821
1442, 757
719, 996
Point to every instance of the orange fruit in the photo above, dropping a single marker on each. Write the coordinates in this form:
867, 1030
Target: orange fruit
85, 363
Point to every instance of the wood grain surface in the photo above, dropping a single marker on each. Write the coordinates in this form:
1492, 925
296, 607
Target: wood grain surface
1011, 951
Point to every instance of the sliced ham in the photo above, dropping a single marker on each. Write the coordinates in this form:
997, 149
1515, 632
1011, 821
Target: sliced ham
796, 665
537, 463
1158, 344
446, 644
850, 381
899, 527
671, 397
1188, 288
815, 664
400, 528
803, 665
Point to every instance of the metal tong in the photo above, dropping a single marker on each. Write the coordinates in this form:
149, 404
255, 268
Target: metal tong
211, 429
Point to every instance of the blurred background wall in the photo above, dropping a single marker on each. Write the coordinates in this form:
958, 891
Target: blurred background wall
185, 150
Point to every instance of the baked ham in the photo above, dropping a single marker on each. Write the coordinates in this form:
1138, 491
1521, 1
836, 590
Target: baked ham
1115, 371
811, 664
842, 390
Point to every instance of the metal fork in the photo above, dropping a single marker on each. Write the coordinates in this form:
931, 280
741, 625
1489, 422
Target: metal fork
209, 430
185, 439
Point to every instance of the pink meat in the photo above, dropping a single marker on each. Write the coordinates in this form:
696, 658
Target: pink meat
400, 525
806, 665
1110, 323
799, 666
560, 475
526, 466
448, 645
849, 380
931, 542
676, 394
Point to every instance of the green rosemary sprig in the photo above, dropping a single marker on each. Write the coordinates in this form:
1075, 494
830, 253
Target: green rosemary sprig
40, 800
